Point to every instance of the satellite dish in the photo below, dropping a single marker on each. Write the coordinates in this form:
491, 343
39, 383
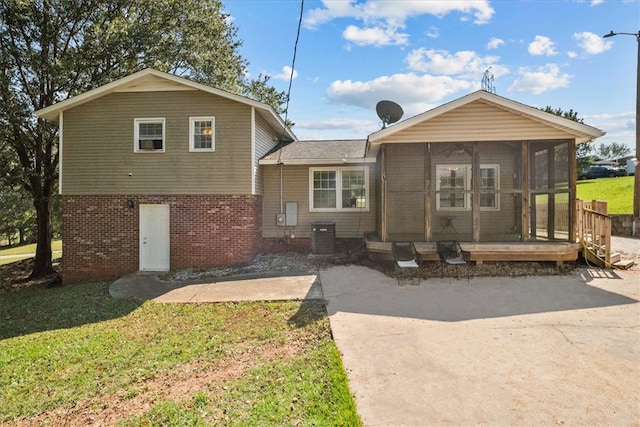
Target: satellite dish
389, 112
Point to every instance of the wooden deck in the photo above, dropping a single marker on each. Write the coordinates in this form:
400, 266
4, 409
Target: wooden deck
557, 252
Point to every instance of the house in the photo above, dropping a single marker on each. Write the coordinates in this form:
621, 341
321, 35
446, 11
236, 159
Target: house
416, 182
158, 172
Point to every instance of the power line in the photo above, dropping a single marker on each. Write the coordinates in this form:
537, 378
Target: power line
293, 62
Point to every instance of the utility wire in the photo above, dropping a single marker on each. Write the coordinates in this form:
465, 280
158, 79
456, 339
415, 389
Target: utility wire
293, 62
286, 109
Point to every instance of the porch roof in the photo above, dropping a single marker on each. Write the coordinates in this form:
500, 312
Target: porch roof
343, 151
579, 131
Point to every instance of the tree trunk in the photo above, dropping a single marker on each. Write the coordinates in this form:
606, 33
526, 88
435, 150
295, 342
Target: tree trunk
42, 265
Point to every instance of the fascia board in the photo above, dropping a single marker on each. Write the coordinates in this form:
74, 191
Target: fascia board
310, 162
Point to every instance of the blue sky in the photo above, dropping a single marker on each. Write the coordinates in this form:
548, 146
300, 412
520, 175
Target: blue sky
422, 54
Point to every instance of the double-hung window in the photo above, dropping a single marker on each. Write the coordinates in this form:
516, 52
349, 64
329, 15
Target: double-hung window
149, 135
202, 133
453, 183
339, 189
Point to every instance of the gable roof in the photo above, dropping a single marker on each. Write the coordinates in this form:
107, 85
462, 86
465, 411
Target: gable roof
330, 152
579, 131
149, 80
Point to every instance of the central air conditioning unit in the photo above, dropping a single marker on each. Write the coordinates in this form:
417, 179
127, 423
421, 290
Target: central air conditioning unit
323, 236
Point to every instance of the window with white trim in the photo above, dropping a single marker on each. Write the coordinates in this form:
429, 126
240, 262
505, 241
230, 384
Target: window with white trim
202, 133
339, 189
149, 135
453, 183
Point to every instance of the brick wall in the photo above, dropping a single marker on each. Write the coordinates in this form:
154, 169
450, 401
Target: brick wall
100, 234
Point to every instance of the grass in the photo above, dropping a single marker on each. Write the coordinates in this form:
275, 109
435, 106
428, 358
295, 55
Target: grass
83, 356
27, 250
618, 192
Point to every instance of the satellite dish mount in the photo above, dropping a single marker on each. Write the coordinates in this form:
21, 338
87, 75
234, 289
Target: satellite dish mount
389, 112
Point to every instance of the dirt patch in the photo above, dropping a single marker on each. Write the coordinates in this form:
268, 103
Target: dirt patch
15, 277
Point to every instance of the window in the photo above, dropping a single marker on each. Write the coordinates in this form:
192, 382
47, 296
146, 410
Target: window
454, 183
202, 134
488, 187
149, 135
339, 189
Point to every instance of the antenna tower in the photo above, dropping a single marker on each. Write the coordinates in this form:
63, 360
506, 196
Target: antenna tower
487, 81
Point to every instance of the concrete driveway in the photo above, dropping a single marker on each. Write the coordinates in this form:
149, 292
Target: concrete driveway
561, 350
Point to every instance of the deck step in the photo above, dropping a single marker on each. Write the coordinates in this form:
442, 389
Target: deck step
614, 257
624, 264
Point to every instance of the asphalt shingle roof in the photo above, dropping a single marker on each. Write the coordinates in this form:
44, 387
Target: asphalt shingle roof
329, 150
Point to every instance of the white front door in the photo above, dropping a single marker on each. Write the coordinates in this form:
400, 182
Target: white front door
154, 237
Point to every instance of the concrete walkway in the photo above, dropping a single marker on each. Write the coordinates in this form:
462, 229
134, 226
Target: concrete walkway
559, 350
148, 286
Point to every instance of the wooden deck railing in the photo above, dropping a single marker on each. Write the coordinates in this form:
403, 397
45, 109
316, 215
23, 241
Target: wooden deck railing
561, 216
594, 229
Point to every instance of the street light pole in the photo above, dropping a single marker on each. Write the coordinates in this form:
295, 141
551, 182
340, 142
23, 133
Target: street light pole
636, 182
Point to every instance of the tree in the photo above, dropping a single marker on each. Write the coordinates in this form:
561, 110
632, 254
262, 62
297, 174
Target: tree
613, 151
51, 50
17, 215
584, 151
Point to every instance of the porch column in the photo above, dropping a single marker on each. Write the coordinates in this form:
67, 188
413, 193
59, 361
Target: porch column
383, 208
573, 176
475, 186
427, 192
551, 197
524, 147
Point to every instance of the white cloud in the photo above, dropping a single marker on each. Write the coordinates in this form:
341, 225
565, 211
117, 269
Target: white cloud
542, 79
285, 74
336, 128
542, 46
406, 89
433, 32
609, 116
571, 54
335, 123
592, 44
495, 43
596, 2
389, 16
376, 36
463, 63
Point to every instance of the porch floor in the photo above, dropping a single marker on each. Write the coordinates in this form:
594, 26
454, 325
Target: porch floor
490, 251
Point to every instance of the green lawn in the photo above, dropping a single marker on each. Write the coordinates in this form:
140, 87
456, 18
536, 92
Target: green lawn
25, 252
83, 356
618, 192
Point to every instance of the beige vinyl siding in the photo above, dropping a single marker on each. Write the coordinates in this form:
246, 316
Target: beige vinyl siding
477, 121
265, 141
98, 146
296, 189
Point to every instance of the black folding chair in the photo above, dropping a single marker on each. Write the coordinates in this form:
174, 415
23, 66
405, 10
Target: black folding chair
406, 259
451, 253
